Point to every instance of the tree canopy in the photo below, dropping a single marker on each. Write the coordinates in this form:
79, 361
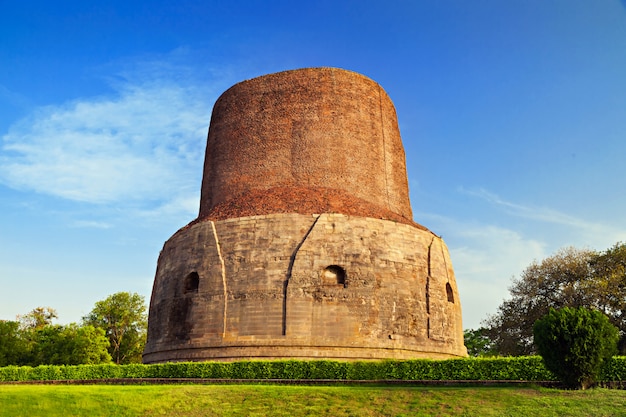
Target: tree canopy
478, 343
569, 278
33, 340
115, 329
69, 345
124, 320
38, 318
13, 348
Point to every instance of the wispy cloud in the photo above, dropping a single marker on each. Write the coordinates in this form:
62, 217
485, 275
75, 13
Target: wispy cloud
536, 213
90, 224
585, 228
486, 252
142, 146
495, 253
137, 145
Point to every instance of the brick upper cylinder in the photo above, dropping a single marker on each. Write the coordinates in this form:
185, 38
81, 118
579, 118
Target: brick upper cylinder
308, 129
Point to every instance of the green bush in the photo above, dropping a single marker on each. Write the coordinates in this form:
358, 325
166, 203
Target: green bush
614, 369
528, 368
575, 343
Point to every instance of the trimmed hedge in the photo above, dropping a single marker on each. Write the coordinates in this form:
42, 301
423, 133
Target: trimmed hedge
525, 368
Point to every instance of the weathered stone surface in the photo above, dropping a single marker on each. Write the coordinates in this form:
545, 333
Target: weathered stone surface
264, 283
304, 245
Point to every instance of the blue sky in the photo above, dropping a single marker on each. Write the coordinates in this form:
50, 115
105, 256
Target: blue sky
512, 114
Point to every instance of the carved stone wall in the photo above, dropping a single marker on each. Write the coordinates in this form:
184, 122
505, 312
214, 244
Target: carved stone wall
304, 246
290, 285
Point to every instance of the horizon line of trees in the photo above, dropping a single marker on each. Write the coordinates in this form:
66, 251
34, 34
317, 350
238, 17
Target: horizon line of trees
114, 331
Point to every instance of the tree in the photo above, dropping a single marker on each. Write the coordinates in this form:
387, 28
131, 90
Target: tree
570, 278
38, 318
13, 348
34, 340
610, 293
90, 345
574, 344
478, 342
551, 283
123, 318
70, 345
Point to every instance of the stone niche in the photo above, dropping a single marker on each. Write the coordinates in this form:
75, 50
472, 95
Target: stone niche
305, 245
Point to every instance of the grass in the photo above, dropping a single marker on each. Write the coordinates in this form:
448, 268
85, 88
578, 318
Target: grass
276, 400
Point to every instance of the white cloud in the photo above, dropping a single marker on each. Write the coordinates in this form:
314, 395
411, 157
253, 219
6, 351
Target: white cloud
535, 213
91, 224
493, 251
143, 146
188, 204
595, 234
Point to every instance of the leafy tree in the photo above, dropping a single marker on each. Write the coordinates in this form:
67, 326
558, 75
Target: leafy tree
123, 318
574, 344
33, 340
70, 345
478, 342
610, 292
38, 318
13, 348
570, 278
90, 345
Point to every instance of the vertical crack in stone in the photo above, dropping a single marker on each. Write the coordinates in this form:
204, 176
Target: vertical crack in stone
223, 269
292, 260
427, 295
430, 245
428, 287
445, 264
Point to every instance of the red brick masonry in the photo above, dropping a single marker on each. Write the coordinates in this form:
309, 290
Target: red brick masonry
302, 201
305, 141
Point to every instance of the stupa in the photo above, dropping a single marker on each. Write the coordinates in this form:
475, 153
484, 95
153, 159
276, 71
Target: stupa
305, 244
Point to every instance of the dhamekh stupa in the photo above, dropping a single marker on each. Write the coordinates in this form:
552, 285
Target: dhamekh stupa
305, 244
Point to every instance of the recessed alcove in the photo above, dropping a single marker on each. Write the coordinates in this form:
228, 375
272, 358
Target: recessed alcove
334, 275
450, 293
192, 282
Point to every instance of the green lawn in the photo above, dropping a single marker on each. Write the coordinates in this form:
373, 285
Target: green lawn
275, 400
